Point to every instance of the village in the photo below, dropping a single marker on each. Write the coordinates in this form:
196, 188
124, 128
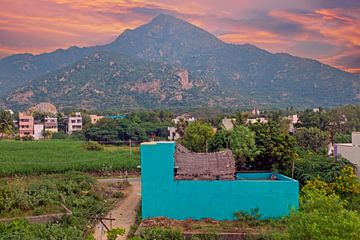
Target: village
184, 161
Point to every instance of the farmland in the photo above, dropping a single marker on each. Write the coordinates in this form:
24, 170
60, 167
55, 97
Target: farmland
38, 195
58, 156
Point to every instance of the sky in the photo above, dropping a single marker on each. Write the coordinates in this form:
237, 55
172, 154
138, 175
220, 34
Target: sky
325, 30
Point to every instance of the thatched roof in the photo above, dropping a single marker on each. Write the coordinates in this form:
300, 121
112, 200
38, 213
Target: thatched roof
210, 166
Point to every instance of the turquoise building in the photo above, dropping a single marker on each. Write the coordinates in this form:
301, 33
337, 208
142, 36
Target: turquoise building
165, 196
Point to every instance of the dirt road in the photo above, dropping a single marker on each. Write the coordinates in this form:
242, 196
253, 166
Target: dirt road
124, 212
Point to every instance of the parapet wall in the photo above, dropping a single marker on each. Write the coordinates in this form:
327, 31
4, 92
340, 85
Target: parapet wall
163, 196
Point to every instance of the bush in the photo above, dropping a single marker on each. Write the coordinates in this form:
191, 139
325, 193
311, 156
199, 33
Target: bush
323, 216
27, 138
157, 233
59, 135
93, 146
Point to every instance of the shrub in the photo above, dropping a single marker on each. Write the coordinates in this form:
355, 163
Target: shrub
160, 234
59, 135
27, 138
323, 216
93, 146
251, 218
114, 233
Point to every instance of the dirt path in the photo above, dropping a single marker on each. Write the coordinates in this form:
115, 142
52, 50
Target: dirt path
124, 212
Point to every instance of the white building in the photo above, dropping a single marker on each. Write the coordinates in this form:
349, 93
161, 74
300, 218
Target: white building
255, 120
350, 151
38, 131
74, 123
173, 134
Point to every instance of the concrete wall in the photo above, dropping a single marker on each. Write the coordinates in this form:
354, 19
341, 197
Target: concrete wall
38, 131
162, 195
355, 137
350, 152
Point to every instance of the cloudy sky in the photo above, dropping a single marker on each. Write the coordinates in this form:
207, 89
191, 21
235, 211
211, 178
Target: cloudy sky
326, 30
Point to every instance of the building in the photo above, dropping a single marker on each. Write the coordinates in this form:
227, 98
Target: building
74, 123
255, 112
173, 134
26, 125
179, 184
95, 118
228, 123
350, 151
38, 131
184, 117
255, 120
51, 124
291, 120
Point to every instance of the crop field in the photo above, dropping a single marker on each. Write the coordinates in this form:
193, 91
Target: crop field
57, 156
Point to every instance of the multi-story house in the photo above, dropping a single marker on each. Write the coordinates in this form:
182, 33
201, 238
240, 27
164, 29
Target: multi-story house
51, 124
74, 123
26, 125
350, 151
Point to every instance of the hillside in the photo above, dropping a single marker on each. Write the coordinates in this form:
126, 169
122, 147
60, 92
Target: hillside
222, 74
104, 80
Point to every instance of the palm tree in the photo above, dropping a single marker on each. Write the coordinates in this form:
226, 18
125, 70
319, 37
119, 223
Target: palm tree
6, 124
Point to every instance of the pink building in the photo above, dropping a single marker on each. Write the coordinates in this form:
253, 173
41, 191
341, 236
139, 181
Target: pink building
26, 125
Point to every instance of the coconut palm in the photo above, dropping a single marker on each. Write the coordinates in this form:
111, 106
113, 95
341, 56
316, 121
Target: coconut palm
6, 124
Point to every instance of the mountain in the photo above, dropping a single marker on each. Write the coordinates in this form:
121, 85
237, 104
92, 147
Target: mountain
219, 73
107, 80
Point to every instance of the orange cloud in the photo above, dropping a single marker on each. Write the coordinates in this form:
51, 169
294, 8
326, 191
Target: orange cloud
43, 25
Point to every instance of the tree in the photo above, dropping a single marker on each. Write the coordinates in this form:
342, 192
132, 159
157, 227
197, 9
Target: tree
6, 124
243, 144
312, 139
276, 149
220, 141
197, 135
309, 118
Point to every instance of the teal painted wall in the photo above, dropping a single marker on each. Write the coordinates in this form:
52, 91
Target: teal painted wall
164, 196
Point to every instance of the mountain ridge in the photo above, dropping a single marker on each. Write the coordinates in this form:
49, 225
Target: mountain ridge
244, 72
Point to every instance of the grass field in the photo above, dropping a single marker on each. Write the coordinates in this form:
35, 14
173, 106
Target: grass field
56, 156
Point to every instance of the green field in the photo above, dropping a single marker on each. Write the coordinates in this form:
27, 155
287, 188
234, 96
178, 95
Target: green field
56, 156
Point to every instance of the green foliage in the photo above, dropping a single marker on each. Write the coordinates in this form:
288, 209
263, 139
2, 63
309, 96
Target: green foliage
205, 236
312, 139
197, 136
59, 135
6, 124
276, 149
310, 166
56, 156
114, 233
220, 141
346, 185
110, 130
93, 146
44, 195
157, 233
27, 138
309, 119
243, 144
323, 216
251, 218
342, 138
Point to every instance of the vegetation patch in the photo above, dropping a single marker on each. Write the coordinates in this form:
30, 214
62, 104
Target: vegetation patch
58, 156
26, 196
